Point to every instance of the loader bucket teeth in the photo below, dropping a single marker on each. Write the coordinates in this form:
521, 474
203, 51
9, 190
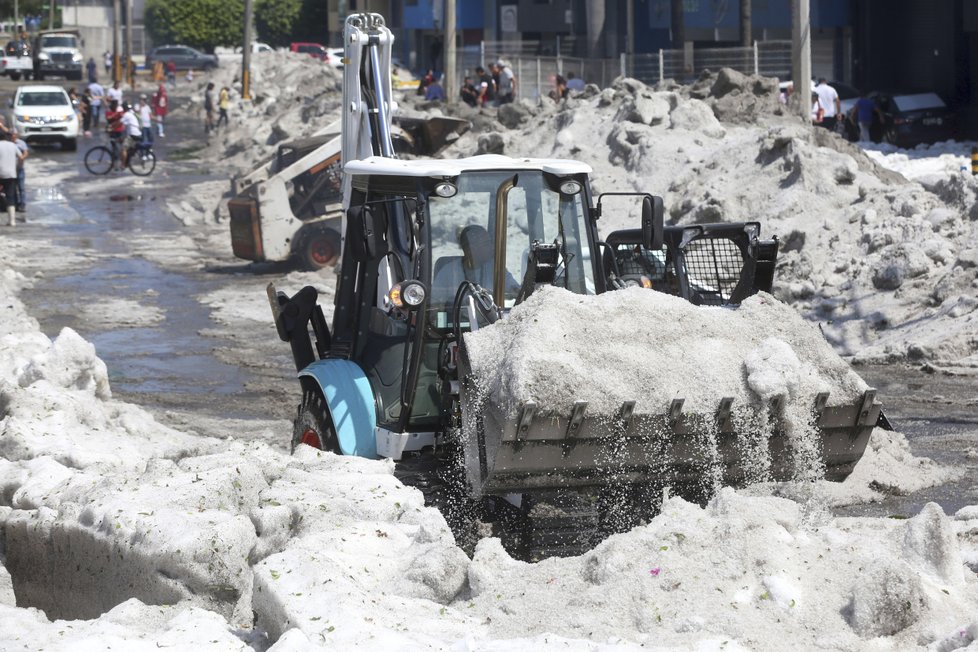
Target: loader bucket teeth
539, 449
723, 414
675, 411
525, 419
867, 406
576, 419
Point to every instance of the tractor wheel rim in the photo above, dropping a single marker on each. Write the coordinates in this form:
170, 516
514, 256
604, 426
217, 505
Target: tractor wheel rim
321, 251
310, 438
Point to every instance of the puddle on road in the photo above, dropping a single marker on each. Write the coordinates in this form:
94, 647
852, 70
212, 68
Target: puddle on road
152, 361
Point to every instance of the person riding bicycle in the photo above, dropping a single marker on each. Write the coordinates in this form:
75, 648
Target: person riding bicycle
132, 131
117, 130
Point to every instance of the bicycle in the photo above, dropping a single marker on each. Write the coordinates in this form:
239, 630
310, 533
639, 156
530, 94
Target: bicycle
102, 160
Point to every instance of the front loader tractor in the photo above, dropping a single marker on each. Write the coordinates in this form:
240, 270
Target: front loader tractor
435, 249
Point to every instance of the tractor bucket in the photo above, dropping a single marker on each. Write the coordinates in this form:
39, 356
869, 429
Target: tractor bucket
542, 449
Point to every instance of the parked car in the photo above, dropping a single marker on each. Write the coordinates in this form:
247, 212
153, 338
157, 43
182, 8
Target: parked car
183, 56
256, 47
44, 114
335, 57
911, 119
332, 56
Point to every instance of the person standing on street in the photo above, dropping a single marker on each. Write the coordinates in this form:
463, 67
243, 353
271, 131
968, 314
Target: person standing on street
24, 150
209, 108
115, 93
829, 99
9, 158
223, 104
486, 86
434, 91
161, 105
97, 93
469, 94
92, 69
574, 83
85, 106
108, 62
506, 87
146, 119
863, 112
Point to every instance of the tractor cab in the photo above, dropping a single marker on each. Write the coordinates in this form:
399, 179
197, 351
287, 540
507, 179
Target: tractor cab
436, 247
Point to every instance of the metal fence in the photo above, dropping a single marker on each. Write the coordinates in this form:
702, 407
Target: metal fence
535, 72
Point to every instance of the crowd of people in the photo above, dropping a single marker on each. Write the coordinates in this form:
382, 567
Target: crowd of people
827, 111
495, 87
97, 101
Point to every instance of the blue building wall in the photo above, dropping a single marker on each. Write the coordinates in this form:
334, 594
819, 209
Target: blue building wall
468, 14
718, 14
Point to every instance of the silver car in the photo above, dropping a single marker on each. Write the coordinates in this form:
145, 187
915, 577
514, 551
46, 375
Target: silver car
184, 57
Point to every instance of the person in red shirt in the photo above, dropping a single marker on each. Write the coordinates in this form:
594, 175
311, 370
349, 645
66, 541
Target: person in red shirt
117, 130
161, 105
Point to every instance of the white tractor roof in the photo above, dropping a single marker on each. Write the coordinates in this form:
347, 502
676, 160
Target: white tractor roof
379, 165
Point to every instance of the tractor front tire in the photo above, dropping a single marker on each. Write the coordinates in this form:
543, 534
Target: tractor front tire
313, 424
319, 249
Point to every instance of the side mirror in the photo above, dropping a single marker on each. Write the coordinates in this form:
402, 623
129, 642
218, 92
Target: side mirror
653, 216
367, 229
10, 103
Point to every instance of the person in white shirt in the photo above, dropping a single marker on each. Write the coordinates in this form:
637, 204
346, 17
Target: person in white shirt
831, 106
114, 93
146, 119
10, 157
132, 130
21, 174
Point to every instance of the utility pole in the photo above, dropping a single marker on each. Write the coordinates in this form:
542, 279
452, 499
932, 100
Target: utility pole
246, 54
801, 58
746, 37
630, 27
129, 63
678, 25
450, 72
51, 14
116, 41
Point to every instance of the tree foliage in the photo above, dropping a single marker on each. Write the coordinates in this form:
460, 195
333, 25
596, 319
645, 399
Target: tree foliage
313, 22
205, 24
275, 21
280, 22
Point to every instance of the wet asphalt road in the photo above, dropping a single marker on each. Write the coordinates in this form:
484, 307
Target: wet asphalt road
186, 365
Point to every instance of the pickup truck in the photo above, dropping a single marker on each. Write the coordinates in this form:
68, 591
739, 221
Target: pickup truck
16, 60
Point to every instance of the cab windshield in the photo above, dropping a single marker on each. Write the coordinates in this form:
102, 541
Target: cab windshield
58, 41
463, 231
43, 98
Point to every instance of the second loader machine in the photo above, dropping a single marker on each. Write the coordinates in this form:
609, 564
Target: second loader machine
436, 248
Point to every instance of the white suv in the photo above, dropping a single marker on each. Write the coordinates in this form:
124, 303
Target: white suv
44, 114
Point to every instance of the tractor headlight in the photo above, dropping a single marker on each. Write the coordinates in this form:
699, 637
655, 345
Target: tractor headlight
409, 294
570, 187
445, 189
